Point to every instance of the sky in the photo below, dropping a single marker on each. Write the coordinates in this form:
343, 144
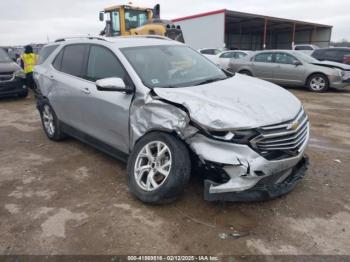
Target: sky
36, 21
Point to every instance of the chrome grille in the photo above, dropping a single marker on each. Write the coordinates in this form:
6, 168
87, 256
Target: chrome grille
6, 76
288, 137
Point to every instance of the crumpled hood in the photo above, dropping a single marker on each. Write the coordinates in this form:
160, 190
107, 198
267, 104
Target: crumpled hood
333, 65
8, 67
239, 102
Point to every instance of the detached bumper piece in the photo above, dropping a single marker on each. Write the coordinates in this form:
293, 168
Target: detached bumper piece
265, 189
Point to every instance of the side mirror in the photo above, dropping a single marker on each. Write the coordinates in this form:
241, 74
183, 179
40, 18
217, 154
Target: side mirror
113, 84
297, 63
102, 16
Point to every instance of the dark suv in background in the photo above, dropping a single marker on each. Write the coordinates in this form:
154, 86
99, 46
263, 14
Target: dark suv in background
338, 54
11, 77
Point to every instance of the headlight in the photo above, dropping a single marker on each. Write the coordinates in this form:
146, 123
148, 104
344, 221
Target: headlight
20, 74
236, 136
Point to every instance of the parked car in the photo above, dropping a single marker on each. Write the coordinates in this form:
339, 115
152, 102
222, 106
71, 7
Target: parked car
293, 68
11, 77
223, 59
336, 54
164, 108
305, 48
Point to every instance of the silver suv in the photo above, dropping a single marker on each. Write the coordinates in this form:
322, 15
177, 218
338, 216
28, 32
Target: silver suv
167, 110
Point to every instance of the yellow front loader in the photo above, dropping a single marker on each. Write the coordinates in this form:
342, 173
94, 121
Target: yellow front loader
124, 20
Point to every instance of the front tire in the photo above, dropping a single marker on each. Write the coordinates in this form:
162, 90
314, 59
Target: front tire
317, 83
23, 94
159, 168
50, 122
246, 72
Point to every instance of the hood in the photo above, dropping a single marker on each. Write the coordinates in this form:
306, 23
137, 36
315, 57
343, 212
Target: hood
239, 102
6, 67
332, 64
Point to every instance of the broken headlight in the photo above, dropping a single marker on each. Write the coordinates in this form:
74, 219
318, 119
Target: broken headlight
236, 136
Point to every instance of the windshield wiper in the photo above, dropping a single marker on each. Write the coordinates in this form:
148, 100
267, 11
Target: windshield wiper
211, 80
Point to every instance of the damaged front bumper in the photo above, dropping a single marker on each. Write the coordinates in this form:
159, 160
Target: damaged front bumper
249, 176
267, 188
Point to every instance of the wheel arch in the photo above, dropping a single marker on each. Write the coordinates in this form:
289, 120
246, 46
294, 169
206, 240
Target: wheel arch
316, 73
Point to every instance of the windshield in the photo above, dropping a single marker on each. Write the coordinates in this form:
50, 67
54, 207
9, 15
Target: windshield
4, 57
305, 58
135, 18
171, 66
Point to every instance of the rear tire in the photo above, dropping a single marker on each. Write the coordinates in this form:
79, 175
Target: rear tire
317, 83
50, 122
159, 168
246, 72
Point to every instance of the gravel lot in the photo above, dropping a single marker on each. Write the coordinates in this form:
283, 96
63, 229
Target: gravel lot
68, 198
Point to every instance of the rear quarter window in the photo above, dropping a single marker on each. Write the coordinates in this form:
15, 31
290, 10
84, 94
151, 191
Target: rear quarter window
45, 53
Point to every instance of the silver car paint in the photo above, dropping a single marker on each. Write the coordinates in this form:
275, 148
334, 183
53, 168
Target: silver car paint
240, 102
285, 74
120, 119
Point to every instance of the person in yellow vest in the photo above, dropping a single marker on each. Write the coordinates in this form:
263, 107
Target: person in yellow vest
28, 62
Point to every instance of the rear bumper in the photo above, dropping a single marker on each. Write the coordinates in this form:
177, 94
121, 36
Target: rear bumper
268, 188
13, 87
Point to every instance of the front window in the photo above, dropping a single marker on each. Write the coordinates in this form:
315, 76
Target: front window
305, 58
171, 66
135, 18
284, 58
4, 57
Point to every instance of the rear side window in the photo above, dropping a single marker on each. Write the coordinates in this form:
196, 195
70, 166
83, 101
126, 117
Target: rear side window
264, 58
103, 64
227, 55
45, 53
208, 52
73, 60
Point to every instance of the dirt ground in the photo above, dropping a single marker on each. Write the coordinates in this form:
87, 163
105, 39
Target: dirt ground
68, 198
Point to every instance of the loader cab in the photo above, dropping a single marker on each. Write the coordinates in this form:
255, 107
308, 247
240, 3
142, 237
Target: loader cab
122, 19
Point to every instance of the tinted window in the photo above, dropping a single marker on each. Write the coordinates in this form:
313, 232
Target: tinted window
45, 53
103, 64
210, 51
73, 60
58, 61
284, 58
264, 58
227, 55
303, 47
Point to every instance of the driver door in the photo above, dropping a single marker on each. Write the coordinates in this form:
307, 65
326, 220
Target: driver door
106, 113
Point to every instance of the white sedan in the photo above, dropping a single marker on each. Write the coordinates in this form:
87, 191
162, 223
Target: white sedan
223, 59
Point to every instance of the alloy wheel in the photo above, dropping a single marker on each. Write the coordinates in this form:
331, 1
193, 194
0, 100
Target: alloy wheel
317, 83
152, 165
48, 120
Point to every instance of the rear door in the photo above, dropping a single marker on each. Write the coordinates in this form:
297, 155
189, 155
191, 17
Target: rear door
264, 66
286, 72
68, 89
106, 113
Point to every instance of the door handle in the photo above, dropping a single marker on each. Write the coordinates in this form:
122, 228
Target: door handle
86, 91
51, 77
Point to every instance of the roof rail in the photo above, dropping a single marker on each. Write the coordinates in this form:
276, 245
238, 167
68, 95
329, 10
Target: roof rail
79, 37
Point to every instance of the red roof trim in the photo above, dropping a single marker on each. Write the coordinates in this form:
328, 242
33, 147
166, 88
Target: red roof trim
199, 15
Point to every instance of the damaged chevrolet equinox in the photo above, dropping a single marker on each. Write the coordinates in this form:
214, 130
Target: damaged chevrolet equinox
170, 112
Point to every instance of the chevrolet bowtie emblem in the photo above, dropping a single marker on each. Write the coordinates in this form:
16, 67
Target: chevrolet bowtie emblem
293, 126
